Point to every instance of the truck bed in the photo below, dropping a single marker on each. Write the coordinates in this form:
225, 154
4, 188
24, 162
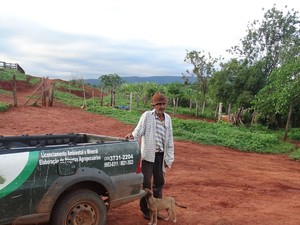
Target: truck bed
34, 141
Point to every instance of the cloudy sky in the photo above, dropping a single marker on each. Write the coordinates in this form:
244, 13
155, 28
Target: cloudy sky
69, 39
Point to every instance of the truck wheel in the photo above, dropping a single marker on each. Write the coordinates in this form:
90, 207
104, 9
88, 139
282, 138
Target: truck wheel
81, 207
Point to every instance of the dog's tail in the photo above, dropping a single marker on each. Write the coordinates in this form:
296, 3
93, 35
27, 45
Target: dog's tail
181, 206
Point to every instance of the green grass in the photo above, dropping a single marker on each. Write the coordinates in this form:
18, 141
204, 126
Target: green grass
7, 75
4, 107
68, 99
255, 139
294, 134
208, 113
5, 92
252, 139
236, 137
295, 154
125, 116
67, 86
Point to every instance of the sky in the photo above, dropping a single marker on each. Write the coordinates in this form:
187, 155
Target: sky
75, 39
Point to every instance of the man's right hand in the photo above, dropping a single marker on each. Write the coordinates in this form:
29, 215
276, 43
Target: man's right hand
129, 136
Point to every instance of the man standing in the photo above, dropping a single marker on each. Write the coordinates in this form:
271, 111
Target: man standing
157, 147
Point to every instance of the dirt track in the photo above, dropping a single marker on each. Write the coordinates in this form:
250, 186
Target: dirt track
219, 186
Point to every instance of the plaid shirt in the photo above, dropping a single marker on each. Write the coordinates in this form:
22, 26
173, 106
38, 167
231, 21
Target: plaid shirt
146, 130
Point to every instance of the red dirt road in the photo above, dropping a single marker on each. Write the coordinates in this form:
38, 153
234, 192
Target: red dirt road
218, 185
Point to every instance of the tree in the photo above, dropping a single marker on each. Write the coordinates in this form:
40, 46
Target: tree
2, 180
281, 95
128, 90
274, 40
190, 95
237, 84
111, 81
203, 68
174, 92
149, 89
139, 89
221, 84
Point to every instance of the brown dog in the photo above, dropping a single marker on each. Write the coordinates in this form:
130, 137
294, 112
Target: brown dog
157, 204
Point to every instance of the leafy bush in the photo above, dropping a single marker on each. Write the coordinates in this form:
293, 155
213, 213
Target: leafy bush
208, 114
294, 134
255, 139
237, 137
125, 116
3, 107
2, 180
295, 154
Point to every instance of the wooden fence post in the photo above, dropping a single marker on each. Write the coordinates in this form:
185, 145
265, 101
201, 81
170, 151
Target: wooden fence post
287, 123
15, 91
43, 93
229, 113
220, 111
130, 104
51, 94
84, 99
101, 96
93, 98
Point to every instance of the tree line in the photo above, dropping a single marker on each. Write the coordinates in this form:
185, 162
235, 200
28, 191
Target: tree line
260, 83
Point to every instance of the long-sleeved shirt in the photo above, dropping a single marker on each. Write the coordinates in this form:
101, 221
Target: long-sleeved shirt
146, 131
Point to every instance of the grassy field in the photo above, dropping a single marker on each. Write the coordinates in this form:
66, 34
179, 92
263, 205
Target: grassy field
252, 139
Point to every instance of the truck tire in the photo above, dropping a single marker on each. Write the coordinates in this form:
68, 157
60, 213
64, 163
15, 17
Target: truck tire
80, 207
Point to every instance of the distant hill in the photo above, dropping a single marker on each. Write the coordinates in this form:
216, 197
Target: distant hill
153, 79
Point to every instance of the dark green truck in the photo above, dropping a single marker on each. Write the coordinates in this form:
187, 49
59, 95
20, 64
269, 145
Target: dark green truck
66, 179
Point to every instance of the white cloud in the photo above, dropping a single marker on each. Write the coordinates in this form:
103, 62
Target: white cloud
58, 38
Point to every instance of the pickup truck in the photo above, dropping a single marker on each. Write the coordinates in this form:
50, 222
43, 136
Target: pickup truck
66, 179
